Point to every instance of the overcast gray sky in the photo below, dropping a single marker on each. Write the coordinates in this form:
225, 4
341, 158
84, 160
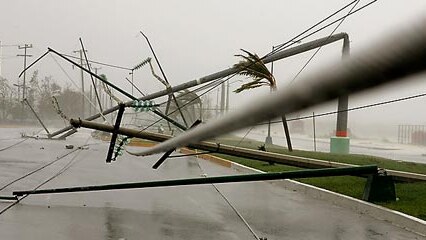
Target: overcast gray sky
194, 38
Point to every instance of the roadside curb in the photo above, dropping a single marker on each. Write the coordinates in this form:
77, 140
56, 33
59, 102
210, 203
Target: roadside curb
396, 218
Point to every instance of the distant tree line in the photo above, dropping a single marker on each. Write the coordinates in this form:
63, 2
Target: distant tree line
39, 92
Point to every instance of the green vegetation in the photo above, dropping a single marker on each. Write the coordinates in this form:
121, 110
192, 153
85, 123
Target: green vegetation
341, 158
411, 196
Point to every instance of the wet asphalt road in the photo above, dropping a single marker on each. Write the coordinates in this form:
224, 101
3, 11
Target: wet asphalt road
191, 212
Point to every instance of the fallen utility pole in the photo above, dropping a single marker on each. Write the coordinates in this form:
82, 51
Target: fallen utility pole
209, 146
242, 152
274, 57
363, 170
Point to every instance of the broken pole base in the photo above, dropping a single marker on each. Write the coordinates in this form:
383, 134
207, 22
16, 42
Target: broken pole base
379, 189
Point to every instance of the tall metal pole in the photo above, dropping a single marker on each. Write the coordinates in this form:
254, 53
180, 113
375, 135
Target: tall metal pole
99, 86
24, 89
268, 139
342, 116
217, 102
132, 80
340, 143
222, 98
82, 82
227, 96
314, 130
1, 48
25, 64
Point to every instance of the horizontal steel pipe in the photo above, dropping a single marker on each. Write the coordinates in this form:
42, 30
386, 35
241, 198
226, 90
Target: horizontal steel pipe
363, 170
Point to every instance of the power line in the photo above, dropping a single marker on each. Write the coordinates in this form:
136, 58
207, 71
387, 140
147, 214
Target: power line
61, 171
16, 144
294, 40
100, 63
37, 169
75, 84
318, 49
354, 108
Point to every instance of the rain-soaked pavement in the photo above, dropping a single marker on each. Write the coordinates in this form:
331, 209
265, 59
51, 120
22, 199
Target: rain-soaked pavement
190, 212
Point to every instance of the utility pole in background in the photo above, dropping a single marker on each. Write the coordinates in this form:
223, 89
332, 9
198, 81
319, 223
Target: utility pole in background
131, 73
0, 56
25, 47
268, 139
24, 87
222, 99
98, 86
227, 97
82, 82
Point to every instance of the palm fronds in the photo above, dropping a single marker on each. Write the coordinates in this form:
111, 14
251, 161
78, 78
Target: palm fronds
253, 67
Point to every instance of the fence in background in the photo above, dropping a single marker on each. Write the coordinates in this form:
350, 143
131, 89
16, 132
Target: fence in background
412, 134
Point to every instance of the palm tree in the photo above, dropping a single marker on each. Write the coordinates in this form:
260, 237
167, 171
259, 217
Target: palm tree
252, 66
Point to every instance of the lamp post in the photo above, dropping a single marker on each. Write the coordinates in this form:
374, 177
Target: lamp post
268, 140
